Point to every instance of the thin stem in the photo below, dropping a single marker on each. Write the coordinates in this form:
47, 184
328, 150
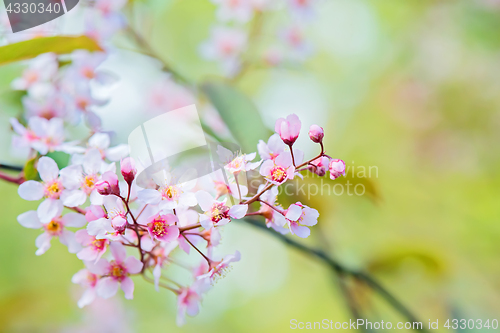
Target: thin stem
238, 186
78, 210
293, 158
275, 208
189, 227
160, 284
16, 180
198, 250
340, 269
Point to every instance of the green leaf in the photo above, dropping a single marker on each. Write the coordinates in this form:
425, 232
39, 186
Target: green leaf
59, 44
239, 113
61, 159
30, 171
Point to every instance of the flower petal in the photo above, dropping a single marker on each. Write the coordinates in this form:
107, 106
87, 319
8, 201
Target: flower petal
30, 190
49, 209
106, 287
42, 242
205, 200
128, 287
238, 211
118, 251
48, 169
29, 220
133, 265
149, 196
73, 198
75, 220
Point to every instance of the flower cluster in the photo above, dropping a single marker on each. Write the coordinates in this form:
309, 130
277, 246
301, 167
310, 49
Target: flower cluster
229, 40
93, 203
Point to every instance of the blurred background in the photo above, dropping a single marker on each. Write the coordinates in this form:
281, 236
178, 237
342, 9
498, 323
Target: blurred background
408, 87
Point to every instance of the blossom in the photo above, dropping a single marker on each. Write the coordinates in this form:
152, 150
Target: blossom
274, 219
222, 187
319, 166
93, 248
54, 227
88, 280
299, 46
219, 268
166, 95
281, 169
216, 212
299, 217
109, 184
43, 135
163, 227
225, 45
337, 168
272, 149
81, 180
188, 302
316, 133
238, 163
237, 10
302, 8
40, 70
113, 224
117, 272
288, 129
170, 195
52, 188
84, 67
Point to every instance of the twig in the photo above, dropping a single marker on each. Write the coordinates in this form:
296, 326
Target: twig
340, 269
11, 167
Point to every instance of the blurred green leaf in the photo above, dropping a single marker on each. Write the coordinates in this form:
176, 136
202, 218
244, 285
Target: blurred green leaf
61, 159
239, 114
30, 171
370, 187
34, 47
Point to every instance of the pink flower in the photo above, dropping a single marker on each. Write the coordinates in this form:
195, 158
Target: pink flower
288, 128
188, 302
166, 95
113, 224
170, 195
225, 45
337, 168
319, 166
221, 187
272, 149
128, 169
302, 8
281, 169
299, 47
163, 227
41, 70
88, 280
216, 212
54, 227
101, 142
316, 133
237, 10
43, 135
93, 248
84, 67
299, 217
236, 164
117, 272
81, 180
219, 268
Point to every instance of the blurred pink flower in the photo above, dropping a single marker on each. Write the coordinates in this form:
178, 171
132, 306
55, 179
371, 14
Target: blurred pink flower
288, 129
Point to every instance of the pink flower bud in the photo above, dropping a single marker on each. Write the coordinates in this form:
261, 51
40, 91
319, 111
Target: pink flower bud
288, 128
319, 166
108, 184
128, 169
316, 133
337, 168
103, 188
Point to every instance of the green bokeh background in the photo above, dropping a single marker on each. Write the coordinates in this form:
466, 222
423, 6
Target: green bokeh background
410, 87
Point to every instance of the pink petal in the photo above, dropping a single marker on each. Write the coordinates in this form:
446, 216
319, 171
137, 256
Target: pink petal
107, 287
205, 200
68, 238
101, 267
88, 297
294, 212
87, 254
149, 196
75, 220
301, 231
133, 265
157, 275
118, 251
238, 211
42, 242
128, 287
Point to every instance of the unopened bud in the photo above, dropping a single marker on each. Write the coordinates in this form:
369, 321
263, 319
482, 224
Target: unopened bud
316, 133
128, 169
